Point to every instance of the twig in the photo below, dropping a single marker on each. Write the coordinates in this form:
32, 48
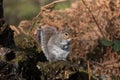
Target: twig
93, 18
52, 3
88, 70
49, 6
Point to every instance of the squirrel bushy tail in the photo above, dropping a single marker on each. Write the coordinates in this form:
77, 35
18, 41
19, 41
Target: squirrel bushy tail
44, 35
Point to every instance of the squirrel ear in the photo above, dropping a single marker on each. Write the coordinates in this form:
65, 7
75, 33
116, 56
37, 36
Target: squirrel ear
66, 29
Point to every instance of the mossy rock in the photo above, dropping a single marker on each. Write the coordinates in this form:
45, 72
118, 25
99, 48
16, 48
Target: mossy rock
62, 70
25, 46
25, 42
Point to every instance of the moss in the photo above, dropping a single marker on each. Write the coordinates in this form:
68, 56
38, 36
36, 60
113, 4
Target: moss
20, 56
25, 42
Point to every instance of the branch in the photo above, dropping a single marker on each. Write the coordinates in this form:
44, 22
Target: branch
94, 18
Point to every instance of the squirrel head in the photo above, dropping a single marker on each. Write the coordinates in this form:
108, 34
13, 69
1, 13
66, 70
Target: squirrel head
66, 34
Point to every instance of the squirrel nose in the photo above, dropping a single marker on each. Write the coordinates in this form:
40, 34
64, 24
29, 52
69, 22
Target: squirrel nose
69, 39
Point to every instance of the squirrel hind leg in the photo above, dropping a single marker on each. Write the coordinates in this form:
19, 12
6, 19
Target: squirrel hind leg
51, 58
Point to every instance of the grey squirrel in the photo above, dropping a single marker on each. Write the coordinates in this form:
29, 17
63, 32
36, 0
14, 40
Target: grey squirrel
54, 44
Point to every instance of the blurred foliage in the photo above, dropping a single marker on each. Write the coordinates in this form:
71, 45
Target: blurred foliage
115, 44
17, 10
106, 42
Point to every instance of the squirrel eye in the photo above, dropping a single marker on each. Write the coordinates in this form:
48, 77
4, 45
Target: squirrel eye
66, 34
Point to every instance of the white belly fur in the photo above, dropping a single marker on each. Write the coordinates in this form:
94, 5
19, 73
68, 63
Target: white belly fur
58, 52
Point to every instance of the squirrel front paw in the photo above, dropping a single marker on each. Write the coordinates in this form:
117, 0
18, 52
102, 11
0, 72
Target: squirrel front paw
66, 47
